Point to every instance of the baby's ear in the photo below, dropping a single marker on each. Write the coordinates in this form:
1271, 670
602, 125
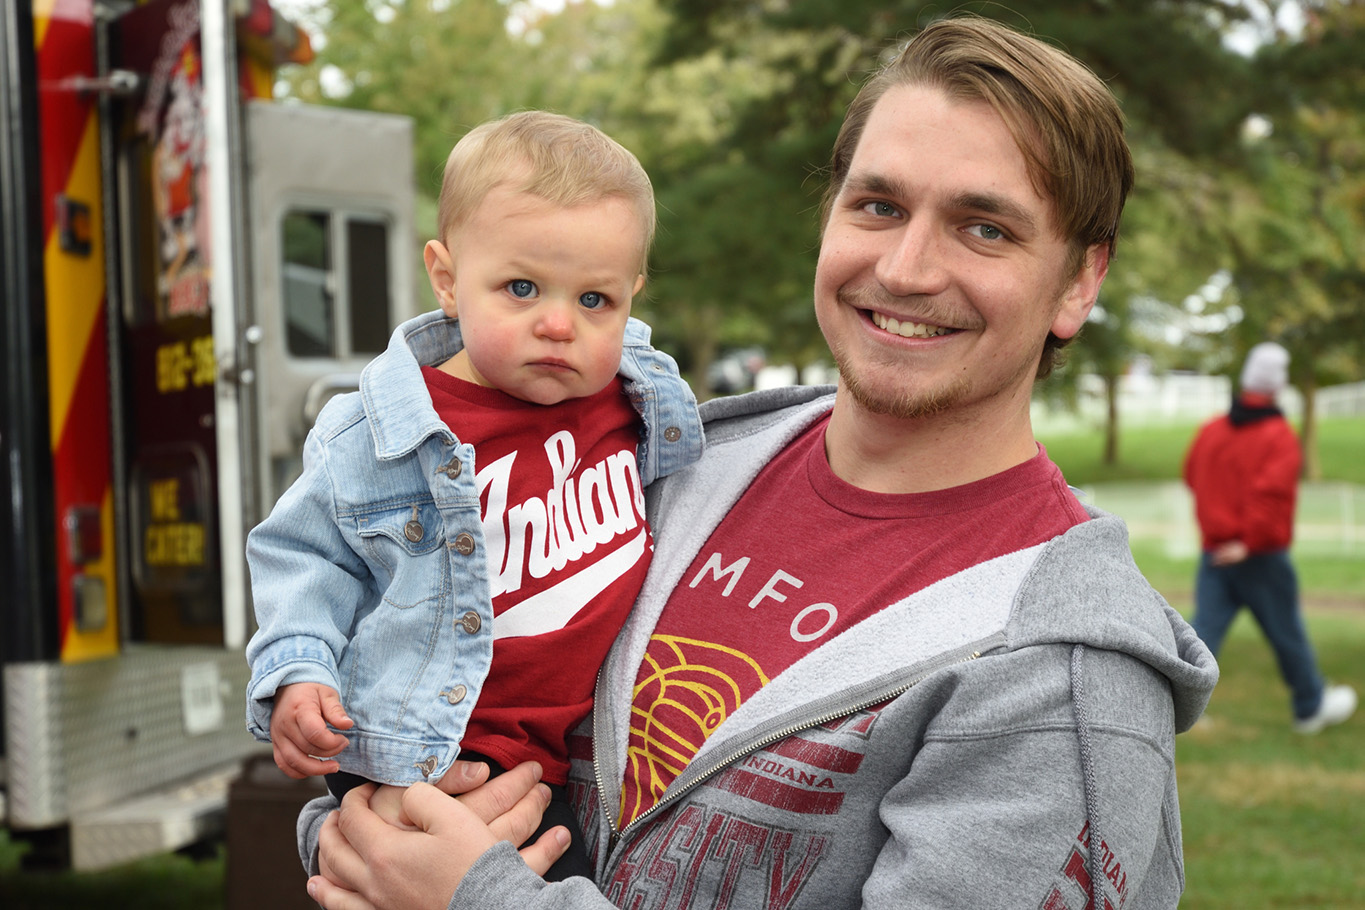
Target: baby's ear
639, 283
441, 274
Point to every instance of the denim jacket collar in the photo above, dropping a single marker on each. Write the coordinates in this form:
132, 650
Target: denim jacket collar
405, 418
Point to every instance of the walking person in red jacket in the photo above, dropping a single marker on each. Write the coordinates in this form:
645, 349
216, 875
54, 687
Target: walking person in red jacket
1243, 469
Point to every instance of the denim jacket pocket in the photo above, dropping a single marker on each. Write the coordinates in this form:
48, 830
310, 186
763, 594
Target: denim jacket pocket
404, 545
394, 645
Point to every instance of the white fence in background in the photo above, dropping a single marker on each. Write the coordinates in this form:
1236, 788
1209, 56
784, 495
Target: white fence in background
1185, 397
1342, 400
1329, 520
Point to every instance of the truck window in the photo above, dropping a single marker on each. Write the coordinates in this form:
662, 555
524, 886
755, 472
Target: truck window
319, 322
368, 246
307, 292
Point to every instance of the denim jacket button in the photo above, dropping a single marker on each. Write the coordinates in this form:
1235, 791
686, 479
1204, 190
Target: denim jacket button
672, 434
453, 469
470, 622
455, 694
464, 543
414, 531
426, 765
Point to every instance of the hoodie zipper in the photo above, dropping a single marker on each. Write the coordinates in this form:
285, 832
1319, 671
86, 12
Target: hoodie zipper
615, 836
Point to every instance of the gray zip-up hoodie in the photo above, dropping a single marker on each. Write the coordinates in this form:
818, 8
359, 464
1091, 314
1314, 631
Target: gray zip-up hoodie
1003, 738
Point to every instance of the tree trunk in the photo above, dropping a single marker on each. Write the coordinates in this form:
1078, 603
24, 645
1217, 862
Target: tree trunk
702, 348
1312, 464
1111, 422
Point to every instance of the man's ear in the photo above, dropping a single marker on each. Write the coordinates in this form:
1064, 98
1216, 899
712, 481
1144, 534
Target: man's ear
441, 274
1080, 295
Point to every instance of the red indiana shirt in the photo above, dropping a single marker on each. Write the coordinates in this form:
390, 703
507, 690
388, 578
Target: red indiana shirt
802, 557
568, 548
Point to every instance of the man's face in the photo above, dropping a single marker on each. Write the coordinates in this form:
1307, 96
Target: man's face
941, 271
542, 293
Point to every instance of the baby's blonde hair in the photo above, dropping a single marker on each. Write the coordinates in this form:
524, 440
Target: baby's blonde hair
562, 160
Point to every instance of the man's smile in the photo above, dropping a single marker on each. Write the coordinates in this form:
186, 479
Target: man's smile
908, 329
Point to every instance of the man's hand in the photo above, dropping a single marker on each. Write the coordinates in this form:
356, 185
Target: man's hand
462, 777
1229, 553
298, 729
367, 862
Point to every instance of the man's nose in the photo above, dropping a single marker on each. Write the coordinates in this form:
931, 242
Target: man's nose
915, 261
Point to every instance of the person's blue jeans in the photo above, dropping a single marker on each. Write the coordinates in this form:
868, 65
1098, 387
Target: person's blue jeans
1267, 585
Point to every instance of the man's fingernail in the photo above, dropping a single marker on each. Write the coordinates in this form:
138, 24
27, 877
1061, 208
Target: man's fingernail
562, 837
312, 889
544, 791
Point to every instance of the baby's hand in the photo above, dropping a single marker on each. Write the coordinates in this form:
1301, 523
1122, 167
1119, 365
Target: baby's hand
387, 803
298, 729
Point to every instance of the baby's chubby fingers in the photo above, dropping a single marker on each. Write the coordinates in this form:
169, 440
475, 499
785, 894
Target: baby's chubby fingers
332, 710
322, 740
298, 763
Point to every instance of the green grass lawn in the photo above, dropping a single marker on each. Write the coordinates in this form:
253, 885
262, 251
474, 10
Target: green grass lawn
1151, 452
1273, 819
170, 882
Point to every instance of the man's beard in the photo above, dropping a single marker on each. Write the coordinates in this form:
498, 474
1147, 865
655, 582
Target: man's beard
906, 404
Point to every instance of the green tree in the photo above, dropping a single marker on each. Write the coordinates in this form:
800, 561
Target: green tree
448, 65
1296, 225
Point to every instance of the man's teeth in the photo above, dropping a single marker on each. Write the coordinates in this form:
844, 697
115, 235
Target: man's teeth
908, 329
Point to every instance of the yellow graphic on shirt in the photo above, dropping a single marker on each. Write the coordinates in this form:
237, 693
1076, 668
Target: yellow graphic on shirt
689, 688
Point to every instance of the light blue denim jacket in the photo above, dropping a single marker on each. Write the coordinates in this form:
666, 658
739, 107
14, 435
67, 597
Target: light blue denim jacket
369, 575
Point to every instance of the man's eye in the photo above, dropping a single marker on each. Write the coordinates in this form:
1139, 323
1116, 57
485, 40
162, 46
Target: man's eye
520, 287
591, 300
987, 231
881, 209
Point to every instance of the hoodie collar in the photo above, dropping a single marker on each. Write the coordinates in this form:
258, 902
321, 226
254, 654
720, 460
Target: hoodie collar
1250, 407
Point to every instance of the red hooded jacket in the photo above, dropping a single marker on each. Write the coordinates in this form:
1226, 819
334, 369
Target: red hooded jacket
1243, 469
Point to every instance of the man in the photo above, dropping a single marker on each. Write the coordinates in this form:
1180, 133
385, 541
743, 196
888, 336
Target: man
1243, 469
883, 657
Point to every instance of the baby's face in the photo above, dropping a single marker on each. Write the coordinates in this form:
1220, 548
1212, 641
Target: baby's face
542, 293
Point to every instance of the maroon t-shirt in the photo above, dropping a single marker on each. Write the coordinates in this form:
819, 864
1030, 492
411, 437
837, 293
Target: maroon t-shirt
567, 546
802, 557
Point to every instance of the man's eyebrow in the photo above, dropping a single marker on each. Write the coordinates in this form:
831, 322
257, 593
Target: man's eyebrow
876, 185
1000, 206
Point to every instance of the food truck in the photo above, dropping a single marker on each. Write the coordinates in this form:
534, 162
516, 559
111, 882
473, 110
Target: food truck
190, 268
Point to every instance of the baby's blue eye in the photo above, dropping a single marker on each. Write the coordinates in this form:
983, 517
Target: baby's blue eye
520, 287
591, 300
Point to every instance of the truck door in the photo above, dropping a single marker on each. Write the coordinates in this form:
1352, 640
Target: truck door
321, 202
166, 454
333, 255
